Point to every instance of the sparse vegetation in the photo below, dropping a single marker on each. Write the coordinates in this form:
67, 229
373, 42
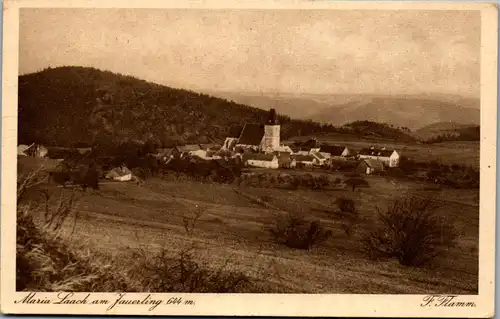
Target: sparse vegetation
411, 231
46, 262
297, 232
318, 182
160, 272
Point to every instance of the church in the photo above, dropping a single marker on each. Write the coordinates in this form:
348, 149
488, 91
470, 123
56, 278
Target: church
258, 137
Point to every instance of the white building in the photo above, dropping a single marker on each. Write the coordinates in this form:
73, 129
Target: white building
318, 158
387, 157
305, 160
122, 174
261, 160
334, 152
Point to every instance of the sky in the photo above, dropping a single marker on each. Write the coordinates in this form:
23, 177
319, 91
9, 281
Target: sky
272, 51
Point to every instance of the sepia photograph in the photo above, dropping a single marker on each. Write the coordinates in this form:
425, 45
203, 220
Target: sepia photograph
306, 150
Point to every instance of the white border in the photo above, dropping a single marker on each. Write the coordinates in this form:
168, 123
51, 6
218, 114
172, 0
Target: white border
261, 304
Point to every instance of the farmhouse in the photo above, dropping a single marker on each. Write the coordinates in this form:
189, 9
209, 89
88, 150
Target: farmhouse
34, 150
285, 160
333, 151
261, 160
310, 144
229, 143
210, 147
121, 174
164, 154
318, 158
192, 149
370, 166
304, 160
389, 158
21, 149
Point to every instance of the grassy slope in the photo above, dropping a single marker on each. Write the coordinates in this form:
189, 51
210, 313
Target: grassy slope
127, 216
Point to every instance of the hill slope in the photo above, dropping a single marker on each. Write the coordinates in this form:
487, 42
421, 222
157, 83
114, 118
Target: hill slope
79, 106
76, 105
448, 131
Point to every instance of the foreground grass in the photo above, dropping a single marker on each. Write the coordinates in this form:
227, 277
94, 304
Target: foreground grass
139, 233
47, 262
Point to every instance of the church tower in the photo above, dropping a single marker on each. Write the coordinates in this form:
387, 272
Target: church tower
271, 132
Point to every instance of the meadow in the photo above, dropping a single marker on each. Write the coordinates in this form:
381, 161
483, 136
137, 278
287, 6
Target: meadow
228, 225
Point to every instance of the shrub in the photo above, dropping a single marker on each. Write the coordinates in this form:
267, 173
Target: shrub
349, 213
297, 232
162, 272
356, 182
410, 231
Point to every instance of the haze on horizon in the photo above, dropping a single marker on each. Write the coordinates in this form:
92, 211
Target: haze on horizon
280, 51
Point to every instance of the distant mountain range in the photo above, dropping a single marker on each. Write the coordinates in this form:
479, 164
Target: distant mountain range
412, 111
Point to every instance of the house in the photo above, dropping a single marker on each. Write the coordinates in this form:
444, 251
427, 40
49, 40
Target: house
34, 150
304, 160
312, 143
229, 143
285, 160
22, 148
164, 154
121, 174
303, 152
212, 155
283, 149
334, 151
185, 150
210, 147
319, 159
389, 158
84, 150
260, 160
370, 166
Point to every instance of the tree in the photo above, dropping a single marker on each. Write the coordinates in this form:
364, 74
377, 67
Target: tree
410, 230
356, 182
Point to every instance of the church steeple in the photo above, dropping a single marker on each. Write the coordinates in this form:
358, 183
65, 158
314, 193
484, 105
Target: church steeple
271, 132
272, 117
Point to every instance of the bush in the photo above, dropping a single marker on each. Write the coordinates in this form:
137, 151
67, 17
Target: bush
349, 213
356, 182
297, 232
410, 231
162, 272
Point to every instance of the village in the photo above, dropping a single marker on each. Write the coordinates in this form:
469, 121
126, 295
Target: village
257, 146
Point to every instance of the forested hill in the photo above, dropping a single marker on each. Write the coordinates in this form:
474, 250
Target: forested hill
72, 106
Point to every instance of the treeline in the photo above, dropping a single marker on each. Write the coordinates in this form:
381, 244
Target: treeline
81, 107
472, 133
374, 129
452, 175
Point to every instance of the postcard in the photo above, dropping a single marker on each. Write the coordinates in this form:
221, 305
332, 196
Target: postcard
249, 158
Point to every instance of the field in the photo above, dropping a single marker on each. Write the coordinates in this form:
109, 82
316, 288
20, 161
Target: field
456, 152
234, 225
